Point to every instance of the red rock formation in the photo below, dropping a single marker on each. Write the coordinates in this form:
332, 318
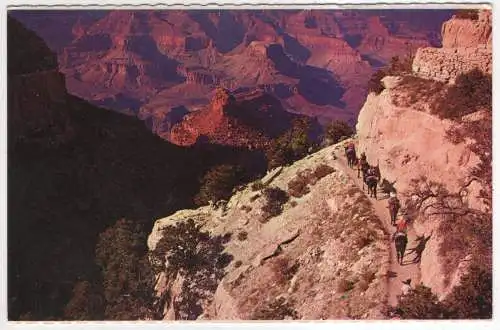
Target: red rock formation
462, 32
466, 45
248, 119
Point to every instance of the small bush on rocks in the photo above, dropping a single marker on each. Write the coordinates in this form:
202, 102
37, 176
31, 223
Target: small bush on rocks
279, 309
471, 91
275, 198
242, 235
471, 14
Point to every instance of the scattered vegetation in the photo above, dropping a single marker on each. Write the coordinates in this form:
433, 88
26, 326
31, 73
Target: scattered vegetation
257, 185
284, 269
415, 89
472, 14
128, 279
85, 304
298, 186
196, 256
336, 131
397, 66
242, 235
472, 299
275, 198
218, 183
471, 91
292, 145
464, 230
279, 309
420, 303
246, 208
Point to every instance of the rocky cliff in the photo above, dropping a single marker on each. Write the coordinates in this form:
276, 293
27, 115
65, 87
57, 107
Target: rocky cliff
324, 257
410, 143
466, 45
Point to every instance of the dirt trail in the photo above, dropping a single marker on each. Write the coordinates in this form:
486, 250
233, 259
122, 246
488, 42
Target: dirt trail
398, 272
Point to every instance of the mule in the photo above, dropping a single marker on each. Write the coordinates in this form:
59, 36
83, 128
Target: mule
351, 157
400, 241
363, 167
393, 212
371, 182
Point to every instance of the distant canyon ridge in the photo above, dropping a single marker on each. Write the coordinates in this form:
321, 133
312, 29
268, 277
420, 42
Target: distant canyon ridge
161, 65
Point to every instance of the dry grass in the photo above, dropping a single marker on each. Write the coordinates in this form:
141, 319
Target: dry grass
283, 269
413, 90
298, 187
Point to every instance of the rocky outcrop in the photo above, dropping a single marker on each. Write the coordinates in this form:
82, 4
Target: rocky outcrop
409, 143
466, 45
464, 32
446, 64
326, 255
249, 119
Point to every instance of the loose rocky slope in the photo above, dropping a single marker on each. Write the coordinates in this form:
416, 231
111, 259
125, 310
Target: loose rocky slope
327, 254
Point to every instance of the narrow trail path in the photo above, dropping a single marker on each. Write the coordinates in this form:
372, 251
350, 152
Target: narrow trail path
398, 273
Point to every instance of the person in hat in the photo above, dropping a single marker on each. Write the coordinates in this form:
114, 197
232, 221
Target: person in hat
394, 206
406, 288
402, 225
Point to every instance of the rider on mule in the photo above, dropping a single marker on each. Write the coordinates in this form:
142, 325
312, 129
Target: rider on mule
362, 164
394, 206
400, 239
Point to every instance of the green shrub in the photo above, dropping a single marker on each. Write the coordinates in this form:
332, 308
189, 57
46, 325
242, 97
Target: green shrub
242, 235
322, 171
344, 285
337, 129
197, 256
420, 303
85, 304
128, 279
218, 183
472, 299
275, 198
471, 91
297, 187
397, 66
292, 145
375, 83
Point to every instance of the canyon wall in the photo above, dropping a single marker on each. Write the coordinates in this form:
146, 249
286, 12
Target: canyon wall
466, 45
409, 143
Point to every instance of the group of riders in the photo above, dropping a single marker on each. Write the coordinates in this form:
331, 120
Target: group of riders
371, 177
